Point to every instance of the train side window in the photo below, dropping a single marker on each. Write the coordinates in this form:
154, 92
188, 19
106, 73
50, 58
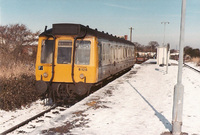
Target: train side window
126, 53
129, 54
121, 53
82, 55
108, 53
64, 51
116, 53
132, 52
113, 51
103, 52
47, 51
99, 54
112, 54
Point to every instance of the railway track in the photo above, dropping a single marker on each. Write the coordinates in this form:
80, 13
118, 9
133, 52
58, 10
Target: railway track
54, 106
28, 120
192, 68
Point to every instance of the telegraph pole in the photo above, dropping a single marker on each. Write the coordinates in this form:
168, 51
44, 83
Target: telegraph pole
179, 88
164, 39
131, 29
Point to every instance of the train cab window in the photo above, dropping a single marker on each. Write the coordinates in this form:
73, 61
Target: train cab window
64, 51
82, 55
47, 51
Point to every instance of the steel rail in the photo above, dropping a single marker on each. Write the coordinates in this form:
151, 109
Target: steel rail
27, 121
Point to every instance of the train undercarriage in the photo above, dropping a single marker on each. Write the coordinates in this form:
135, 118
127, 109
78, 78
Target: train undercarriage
69, 93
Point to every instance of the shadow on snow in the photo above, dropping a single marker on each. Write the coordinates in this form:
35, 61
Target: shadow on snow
162, 118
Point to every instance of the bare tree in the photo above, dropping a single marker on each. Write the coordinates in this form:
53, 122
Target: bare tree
13, 39
153, 45
191, 52
14, 36
138, 47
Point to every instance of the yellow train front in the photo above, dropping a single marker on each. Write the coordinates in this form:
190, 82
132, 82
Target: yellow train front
71, 58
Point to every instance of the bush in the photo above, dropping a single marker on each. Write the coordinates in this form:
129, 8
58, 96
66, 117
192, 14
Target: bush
17, 85
191, 52
16, 92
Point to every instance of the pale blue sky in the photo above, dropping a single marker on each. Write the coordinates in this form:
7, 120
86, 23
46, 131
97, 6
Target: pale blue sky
112, 16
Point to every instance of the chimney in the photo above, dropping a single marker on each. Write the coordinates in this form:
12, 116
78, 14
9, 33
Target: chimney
126, 37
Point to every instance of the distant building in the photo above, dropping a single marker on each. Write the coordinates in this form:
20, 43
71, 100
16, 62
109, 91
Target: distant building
146, 54
174, 55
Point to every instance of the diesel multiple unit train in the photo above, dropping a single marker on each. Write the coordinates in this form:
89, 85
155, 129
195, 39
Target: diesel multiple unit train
72, 58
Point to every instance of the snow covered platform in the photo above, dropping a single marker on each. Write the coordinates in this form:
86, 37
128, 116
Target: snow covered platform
138, 103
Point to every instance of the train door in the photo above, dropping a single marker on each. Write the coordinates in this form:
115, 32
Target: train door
44, 59
63, 59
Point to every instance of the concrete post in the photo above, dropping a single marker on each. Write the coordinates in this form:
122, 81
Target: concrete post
179, 88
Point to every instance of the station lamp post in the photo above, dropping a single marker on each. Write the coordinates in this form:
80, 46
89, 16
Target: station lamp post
164, 31
164, 40
179, 88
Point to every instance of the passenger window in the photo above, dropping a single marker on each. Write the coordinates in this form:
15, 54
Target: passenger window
99, 54
64, 51
82, 55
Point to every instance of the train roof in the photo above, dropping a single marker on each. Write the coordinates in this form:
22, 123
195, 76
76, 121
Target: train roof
78, 29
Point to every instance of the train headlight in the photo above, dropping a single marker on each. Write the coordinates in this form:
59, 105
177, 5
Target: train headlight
45, 75
82, 76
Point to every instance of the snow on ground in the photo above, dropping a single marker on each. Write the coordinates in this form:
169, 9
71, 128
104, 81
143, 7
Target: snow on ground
12, 118
139, 104
194, 65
